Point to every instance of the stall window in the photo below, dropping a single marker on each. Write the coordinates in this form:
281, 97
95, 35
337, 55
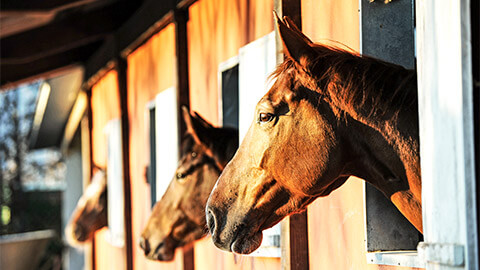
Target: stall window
151, 170
387, 33
162, 119
243, 81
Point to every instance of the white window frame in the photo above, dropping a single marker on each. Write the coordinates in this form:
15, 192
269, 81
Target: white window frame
166, 139
115, 194
447, 139
253, 84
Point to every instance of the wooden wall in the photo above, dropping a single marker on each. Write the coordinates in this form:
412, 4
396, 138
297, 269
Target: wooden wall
105, 107
151, 69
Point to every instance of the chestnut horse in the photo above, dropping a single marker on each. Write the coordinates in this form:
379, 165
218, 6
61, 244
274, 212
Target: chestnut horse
91, 211
330, 114
179, 217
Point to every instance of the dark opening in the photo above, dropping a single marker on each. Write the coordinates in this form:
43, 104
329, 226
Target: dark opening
152, 168
475, 30
230, 97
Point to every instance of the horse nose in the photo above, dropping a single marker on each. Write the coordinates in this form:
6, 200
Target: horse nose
145, 245
78, 232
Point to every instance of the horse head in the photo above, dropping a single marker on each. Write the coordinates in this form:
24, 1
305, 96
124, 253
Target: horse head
179, 217
90, 213
322, 121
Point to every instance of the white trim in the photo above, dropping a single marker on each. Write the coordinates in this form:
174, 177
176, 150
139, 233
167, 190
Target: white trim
166, 139
257, 60
115, 178
397, 258
446, 127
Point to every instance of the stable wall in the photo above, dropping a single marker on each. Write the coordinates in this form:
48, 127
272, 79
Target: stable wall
336, 226
105, 107
151, 69
216, 31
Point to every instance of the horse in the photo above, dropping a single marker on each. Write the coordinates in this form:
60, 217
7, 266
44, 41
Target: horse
90, 214
330, 114
178, 218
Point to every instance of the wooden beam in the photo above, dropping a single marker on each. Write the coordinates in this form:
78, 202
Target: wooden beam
180, 17
181, 51
90, 257
295, 254
40, 5
11, 73
121, 67
78, 29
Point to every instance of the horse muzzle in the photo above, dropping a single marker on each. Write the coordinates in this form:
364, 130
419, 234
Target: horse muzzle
231, 236
158, 252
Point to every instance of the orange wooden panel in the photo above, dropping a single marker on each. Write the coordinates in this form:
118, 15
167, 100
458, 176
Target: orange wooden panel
151, 69
332, 20
105, 107
216, 30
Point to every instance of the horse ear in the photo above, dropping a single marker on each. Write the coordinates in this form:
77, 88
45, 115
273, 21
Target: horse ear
196, 126
295, 44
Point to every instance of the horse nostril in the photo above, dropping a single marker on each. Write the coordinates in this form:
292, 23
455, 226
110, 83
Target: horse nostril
78, 232
145, 245
211, 221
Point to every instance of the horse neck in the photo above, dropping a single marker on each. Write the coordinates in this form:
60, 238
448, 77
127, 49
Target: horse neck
387, 145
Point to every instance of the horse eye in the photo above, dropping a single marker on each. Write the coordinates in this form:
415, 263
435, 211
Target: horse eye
194, 154
265, 117
180, 176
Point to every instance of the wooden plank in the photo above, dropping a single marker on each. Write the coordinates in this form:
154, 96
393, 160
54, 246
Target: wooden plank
180, 17
10, 74
181, 51
188, 258
299, 257
294, 228
90, 250
41, 5
121, 67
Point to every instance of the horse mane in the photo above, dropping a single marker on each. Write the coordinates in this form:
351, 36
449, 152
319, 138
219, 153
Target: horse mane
362, 86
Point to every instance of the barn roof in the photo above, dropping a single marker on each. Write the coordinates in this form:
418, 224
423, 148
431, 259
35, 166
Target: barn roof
38, 37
